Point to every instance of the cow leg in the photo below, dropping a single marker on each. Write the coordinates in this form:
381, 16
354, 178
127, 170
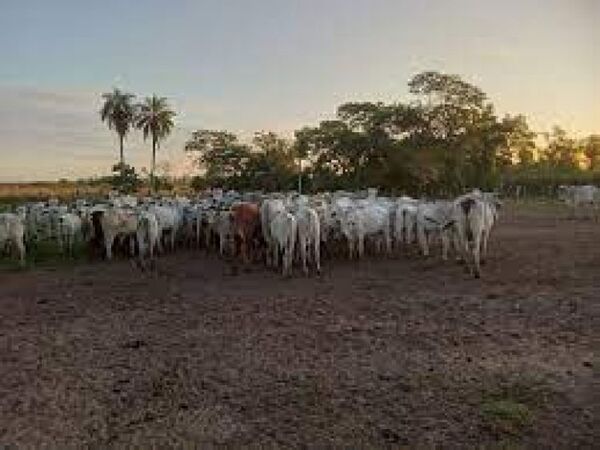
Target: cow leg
290, 260
463, 247
244, 249
131, 246
108, 242
477, 255
159, 246
303, 251
445, 245
274, 255
388, 243
396, 243
221, 245
287, 258
291, 247
207, 240
484, 245
173, 237
457, 247
323, 245
268, 253
141, 245
422, 237
77, 239
469, 254
317, 255
361, 246
21, 251
61, 244
350, 248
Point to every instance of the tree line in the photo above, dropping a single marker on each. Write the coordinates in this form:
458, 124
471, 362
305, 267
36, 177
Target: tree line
445, 139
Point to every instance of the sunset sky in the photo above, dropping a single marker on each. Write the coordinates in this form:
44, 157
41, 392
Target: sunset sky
272, 65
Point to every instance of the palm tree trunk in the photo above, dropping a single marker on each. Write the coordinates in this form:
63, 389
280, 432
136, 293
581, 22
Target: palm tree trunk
121, 158
121, 137
152, 184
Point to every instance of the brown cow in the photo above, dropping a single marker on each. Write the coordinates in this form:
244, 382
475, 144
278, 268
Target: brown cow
245, 220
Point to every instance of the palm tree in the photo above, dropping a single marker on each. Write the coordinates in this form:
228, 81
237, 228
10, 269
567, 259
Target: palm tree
155, 119
118, 113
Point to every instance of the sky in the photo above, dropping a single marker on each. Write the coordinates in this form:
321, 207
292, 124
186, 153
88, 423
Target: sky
276, 65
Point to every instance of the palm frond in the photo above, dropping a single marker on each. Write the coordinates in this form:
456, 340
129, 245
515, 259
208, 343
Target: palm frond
155, 118
118, 110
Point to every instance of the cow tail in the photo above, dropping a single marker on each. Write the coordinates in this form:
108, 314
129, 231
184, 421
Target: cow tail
466, 205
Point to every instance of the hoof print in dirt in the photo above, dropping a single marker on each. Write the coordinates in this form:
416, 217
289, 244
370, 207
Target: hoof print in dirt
135, 344
390, 436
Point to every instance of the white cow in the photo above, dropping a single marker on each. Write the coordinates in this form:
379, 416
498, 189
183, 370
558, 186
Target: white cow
579, 197
34, 221
168, 219
210, 226
376, 225
225, 231
51, 216
343, 203
117, 222
352, 228
123, 201
405, 220
269, 209
431, 220
473, 217
69, 231
309, 237
283, 230
335, 214
148, 234
12, 231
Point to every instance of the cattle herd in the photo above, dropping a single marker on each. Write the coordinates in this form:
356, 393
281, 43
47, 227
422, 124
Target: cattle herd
280, 229
582, 200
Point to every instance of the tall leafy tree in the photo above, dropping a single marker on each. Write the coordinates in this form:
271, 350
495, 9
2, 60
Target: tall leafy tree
562, 150
118, 112
448, 103
155, 119
591, 149
520, 142
271, 164
454, 112
335, 150
446, 139
220, 155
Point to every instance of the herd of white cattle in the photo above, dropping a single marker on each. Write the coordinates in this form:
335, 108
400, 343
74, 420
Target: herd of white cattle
280, 229
582, 200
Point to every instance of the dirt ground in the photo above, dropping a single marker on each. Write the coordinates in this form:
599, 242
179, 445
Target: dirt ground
403, 352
